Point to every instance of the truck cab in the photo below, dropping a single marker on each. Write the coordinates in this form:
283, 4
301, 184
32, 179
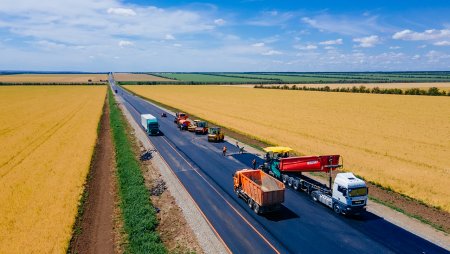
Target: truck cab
150, 124
349, 194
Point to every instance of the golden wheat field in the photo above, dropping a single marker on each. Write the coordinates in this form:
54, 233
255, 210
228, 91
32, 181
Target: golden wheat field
399, 141
52, 78
47, 135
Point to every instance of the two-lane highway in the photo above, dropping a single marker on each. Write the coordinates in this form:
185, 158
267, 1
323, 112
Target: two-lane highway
302, 226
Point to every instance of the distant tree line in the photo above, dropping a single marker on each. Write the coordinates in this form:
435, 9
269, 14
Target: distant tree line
432, 91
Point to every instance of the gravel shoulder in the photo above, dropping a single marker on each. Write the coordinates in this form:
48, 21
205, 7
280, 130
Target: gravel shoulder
190, 221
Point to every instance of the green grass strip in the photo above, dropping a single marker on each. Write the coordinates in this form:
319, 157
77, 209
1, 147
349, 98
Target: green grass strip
139, 215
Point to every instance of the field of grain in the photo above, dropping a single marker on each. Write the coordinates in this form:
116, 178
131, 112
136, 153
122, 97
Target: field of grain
138, 77
52, 78
402, 142
441, 85
47, 134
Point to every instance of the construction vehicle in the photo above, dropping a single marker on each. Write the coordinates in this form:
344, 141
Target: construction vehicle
183, 124
150, 124
215, 134
347, 195
193, 126
202, 127
262, 192
180, 116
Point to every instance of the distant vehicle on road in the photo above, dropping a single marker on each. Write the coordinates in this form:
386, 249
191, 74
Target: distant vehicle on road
150, 124
183, 124
180, 116
193, 126
163, 114
202, 127
215, 134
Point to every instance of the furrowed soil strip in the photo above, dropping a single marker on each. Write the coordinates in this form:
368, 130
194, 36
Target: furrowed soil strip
94, 231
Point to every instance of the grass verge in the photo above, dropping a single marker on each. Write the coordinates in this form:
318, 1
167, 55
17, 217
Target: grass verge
139, 215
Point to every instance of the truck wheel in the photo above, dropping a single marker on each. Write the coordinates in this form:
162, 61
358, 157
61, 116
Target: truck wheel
256, 208
290, 181
250, 203
337, 209
295, 184
284, 178
314, 197
237, 192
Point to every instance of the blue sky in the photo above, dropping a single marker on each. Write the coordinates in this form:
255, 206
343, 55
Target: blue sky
234, 35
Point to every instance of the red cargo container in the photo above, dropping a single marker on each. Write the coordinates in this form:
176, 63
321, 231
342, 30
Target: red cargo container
309, 163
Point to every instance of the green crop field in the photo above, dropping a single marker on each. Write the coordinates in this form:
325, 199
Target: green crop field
305, 78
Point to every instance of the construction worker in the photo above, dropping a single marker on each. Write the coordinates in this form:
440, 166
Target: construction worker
254, 163
224, 151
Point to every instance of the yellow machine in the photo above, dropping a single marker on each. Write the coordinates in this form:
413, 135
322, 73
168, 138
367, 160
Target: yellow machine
194, 125
215, 134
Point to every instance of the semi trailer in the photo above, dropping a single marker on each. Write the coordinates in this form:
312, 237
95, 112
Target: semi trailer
346, 195
150, 124
262, 192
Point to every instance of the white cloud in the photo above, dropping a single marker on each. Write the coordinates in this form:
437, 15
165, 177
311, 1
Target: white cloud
121, 11
169, 37
415, 57
431, 34
442, 43
271, 18
271, 53
123, 44
395, 47
332, 42
347, 25
329, 47
177, 45
219, 22
306, 47
259, 44
367, 42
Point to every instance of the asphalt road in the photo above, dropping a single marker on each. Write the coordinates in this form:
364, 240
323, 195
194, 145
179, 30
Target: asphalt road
302, 226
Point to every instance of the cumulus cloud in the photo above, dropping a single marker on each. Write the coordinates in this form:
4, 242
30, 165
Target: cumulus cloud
121, 11
259, 44
219, 22
123, 44
169, 37
367, 42
306, 47
332, 42
431, 34
271, 53
442, 43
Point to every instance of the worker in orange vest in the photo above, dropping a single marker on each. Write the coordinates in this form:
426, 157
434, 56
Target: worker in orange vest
224, 151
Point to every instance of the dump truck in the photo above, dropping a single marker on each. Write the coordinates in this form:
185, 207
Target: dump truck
347, 194
215, 134
150, 124
262, 192
180, 116
202, 127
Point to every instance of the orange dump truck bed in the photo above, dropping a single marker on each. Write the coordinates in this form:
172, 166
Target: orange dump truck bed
260, 187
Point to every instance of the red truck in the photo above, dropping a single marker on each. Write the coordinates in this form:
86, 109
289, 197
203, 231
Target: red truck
180, 116
346, 195
262, 192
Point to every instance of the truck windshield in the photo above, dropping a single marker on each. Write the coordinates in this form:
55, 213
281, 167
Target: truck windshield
357, 192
